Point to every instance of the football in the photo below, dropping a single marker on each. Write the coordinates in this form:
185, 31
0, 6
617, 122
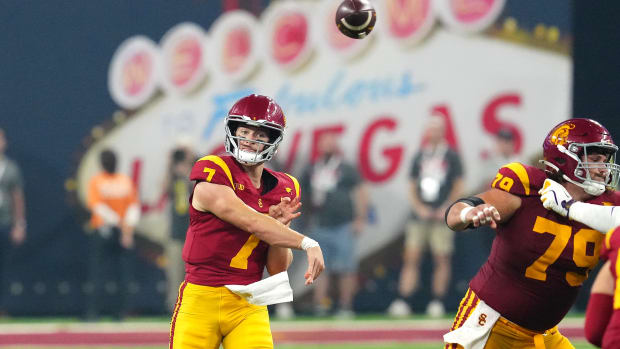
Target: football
356, 18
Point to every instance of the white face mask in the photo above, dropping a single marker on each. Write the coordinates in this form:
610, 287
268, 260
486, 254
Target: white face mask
248, 157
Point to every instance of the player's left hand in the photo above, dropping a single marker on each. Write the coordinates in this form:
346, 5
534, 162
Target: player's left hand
555, 197
286, 210
316, 264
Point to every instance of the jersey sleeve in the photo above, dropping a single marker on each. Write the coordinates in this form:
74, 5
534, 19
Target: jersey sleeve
610, 243
212, 169
295, 185
518, 179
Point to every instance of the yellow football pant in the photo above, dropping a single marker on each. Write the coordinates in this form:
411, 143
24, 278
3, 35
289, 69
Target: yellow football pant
206, 316
508, 335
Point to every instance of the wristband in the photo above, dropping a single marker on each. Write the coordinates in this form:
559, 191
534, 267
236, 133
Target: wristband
464, 213
307, 243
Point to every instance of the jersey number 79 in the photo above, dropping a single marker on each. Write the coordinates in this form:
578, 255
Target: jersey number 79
562, 235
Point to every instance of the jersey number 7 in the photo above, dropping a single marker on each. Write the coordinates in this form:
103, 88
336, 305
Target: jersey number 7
240, 260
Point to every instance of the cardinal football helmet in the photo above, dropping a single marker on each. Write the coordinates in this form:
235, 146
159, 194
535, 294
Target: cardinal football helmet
259, 111
566, 149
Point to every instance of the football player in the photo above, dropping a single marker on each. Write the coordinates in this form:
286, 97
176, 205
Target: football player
539, 258
602, 324
239, 217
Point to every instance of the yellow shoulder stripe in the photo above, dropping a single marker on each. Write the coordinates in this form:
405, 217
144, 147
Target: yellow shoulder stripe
296, 183
608, 238
521, 172
221, 163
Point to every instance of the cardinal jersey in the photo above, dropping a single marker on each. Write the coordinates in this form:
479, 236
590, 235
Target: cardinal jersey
217, 253
611, 246
539, 259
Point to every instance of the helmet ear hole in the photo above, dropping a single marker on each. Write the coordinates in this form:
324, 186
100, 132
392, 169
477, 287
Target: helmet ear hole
233, 126
273, 135
560, 161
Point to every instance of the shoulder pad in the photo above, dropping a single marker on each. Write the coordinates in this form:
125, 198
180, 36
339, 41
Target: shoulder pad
519, 179
212, 169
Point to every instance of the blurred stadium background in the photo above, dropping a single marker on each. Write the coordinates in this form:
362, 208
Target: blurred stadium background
142, 76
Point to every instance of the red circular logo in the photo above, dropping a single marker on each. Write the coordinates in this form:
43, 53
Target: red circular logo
133, 73
183, 58
136, 72
408, 17
468, 11
290, 37
238, 44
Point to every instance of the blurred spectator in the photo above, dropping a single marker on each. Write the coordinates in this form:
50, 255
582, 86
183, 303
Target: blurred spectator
502, 153
336, 203
178, 187
113, 201
435, 182
12, 213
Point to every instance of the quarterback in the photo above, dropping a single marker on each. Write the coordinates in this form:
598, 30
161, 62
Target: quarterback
539, 258
239, 216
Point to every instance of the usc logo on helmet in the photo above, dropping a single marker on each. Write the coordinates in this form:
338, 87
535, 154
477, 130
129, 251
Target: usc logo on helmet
560, 135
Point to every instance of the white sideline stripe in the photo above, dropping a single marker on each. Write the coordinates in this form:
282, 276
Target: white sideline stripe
29, 328
277, 326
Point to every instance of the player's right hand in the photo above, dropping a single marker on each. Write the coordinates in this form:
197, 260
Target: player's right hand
555, 197
480, 215
316, 264
286, 210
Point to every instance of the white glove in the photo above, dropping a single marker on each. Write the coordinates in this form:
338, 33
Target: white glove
555, 197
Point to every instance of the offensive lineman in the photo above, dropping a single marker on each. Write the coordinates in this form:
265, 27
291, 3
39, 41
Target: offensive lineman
539, 258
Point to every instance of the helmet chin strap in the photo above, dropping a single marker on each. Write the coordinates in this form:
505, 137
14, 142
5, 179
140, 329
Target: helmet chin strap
590, 187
